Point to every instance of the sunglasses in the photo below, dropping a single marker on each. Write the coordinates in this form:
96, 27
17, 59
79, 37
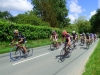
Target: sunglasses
15, 33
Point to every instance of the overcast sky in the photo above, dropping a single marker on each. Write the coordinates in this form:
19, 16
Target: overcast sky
76, 7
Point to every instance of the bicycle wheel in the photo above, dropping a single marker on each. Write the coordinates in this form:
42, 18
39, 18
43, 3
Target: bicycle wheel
52, 46
62, 56
15, 53
68, 53
87, 45
74, 46
30, 52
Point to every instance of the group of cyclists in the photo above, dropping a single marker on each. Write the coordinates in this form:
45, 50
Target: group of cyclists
66, 37
88, 37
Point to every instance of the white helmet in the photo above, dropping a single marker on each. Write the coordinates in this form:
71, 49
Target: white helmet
15, 31
73, 32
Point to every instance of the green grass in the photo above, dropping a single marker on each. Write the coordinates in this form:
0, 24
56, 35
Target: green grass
4, 46
93, 64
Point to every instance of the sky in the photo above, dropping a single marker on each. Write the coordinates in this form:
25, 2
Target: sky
76, 7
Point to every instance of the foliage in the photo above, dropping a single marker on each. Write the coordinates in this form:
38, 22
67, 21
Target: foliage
82, 24
5, 15
71, 28
30, 18
31, 32
95, 22
52, 11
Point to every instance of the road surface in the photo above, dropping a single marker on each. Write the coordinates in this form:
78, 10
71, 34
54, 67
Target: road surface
46, 62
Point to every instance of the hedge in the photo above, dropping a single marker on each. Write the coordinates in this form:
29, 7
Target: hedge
31, 32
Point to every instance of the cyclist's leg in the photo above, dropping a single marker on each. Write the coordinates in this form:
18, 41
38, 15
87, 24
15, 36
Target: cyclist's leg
65, 47
57, 45
55, 42
23, 47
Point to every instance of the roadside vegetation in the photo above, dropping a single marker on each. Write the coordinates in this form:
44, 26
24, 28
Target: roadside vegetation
93, 64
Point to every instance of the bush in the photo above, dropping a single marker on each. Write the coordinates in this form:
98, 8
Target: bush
31, 32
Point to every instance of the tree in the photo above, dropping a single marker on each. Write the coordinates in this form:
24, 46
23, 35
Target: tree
83, 24
95, 21
5, 15
52, 11
29, 18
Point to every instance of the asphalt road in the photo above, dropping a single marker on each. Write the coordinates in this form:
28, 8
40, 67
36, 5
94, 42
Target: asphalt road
46, 62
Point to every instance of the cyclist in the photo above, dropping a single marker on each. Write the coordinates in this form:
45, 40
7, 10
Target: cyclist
87, 38
66, 37
77, 37
20, 40
54, 37
95, 37
74, 35
80, 37
83, 38
91, 37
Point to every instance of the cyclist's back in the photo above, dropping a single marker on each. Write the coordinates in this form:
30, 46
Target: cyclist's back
74, 35
87, 36
66, 36
83, 35
19, 36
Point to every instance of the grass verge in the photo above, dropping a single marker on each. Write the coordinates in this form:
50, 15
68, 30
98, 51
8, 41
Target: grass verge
92, 66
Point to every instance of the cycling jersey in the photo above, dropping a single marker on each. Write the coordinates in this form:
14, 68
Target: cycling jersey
66, 37
87, 36
91, 35
74, 35
83, 36
54, 35
19, 36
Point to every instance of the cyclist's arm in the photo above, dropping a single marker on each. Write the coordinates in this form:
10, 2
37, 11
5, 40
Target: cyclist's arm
75, 37
69, 40
62, 39
50, 37
21, 40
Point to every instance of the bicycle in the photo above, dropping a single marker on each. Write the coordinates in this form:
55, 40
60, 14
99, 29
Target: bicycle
91, 41
65, 52
82, 41
54, 45
17, 53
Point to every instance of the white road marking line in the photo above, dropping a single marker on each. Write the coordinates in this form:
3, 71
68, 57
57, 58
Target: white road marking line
30, 59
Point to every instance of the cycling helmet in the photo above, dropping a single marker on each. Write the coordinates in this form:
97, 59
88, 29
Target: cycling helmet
80, 34
64, 32
87, 33
73, 32
15, 31
83, 33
